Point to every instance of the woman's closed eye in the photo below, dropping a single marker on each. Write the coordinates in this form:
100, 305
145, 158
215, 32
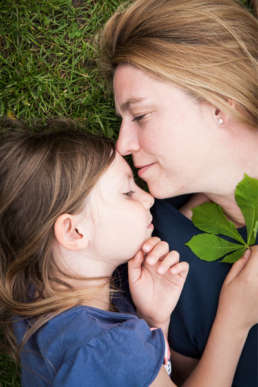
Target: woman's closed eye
140, 117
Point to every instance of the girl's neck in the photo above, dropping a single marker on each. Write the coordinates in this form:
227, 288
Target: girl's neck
101, 298
92, 292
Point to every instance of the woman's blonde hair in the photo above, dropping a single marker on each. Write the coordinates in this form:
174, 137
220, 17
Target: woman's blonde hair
206, 47
42, 175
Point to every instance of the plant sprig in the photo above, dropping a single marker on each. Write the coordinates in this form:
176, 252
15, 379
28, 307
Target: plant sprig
210, 218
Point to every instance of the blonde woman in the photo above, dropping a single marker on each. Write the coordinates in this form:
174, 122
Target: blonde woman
185, 85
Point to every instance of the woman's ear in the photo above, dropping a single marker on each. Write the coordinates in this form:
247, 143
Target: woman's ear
219, 116
70, 233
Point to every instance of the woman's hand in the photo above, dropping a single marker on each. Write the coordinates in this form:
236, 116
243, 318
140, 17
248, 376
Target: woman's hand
239, 294
156, 279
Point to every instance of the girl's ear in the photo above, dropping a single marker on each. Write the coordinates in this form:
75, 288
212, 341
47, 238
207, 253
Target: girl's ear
69, 233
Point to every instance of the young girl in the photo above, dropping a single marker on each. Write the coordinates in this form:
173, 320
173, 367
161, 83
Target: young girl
70, 213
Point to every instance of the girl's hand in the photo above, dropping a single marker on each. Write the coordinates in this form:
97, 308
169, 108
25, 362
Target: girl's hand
156, 281
239, 294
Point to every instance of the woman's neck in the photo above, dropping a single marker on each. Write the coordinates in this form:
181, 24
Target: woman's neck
230, 208
243, 158
228, 204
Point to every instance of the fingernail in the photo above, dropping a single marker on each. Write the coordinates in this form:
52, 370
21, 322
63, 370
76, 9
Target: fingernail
146, 248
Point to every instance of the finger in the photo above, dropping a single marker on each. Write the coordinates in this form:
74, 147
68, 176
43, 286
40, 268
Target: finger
169, 260
182, 269
158, 251
149, 244
237, 267
251, 267
179, 273
135, 267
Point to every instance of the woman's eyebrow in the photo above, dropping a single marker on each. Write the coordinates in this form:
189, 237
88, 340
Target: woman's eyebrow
126, 105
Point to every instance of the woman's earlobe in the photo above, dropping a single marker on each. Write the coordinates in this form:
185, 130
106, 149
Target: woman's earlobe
218, 116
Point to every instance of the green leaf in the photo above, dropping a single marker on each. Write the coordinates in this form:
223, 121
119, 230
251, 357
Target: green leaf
233, 257
210, 217
209, 247
255, 229
246, 195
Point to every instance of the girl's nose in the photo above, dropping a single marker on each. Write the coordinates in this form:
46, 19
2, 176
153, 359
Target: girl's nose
148, 200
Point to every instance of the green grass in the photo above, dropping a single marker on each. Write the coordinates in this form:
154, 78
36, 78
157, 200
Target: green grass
48, 70
9, 375
47, 66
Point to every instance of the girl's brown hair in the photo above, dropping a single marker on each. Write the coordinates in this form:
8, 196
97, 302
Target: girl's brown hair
42, 175
206, 47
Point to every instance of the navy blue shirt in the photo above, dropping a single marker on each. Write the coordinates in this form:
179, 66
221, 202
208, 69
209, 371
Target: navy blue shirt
196, 309
86, 347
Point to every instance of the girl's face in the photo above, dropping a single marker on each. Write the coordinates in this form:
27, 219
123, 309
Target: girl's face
120, 214
173, 139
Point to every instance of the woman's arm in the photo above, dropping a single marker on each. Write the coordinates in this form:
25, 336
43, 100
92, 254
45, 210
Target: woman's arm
237, 313
218, 362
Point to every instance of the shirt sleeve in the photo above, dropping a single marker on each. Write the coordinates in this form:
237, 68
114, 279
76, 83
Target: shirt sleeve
127, 355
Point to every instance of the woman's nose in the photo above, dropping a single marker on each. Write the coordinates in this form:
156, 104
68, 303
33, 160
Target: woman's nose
127, 142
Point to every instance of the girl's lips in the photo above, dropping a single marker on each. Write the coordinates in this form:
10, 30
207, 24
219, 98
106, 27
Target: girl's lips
143, 169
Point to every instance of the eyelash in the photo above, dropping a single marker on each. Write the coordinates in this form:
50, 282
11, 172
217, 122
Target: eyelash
129, 193
139, 118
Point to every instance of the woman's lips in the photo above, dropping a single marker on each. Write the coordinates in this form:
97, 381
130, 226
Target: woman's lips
143, 169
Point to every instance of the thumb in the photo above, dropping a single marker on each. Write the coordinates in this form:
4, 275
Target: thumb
237, 267
135, 267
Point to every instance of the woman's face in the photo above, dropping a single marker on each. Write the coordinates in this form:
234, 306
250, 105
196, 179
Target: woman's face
174, 140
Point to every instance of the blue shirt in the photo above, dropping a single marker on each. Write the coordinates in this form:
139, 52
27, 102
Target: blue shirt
196, 309
86, 347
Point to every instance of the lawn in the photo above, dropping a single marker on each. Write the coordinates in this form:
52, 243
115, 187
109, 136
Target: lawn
47, 61
48, 70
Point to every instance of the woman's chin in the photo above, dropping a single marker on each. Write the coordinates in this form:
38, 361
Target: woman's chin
163, 191
158, 191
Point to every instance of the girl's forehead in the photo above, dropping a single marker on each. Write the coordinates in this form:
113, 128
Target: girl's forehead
118, 171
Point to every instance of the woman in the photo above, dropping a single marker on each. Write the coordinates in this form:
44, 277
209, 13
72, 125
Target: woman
185, 85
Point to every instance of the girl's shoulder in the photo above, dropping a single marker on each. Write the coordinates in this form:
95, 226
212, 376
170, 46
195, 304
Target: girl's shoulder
80, 324
120, 349
92, 343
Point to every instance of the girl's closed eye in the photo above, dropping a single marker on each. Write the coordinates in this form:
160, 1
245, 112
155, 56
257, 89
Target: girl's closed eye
129, 193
